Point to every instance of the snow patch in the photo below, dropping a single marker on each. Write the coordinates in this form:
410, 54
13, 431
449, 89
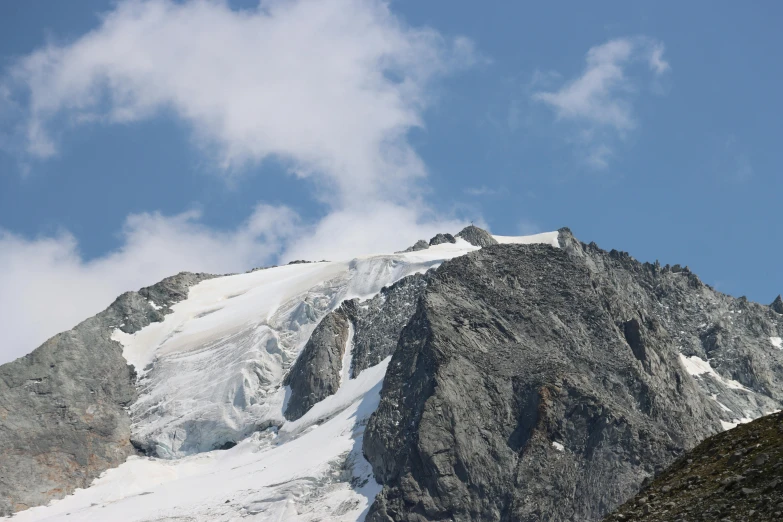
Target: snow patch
303, 472
777, 342
558, 446
547, 238
345, 370
697, 366
729, 425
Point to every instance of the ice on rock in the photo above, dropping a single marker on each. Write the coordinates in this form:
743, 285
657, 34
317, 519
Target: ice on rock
210, 375
211, 372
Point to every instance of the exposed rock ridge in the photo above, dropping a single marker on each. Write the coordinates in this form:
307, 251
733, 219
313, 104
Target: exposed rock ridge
421, 244
63, 406
316, 373
536, 383
477, 236
439, 239
745, 370
472, 234
371, 329
777, 304
378, 321
736, 475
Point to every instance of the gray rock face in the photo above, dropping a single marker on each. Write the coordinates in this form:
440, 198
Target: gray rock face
316, 373
777, 304
378, 321
442, 238
733, 334
419, 245
63, 406
536, 383
369, 328
477, 236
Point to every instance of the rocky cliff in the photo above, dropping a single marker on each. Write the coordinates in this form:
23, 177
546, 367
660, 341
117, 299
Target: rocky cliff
63, 407
536, 383
526, 382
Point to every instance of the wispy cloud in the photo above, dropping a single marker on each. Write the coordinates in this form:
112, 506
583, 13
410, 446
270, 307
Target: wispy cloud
528, 228
482, 191
601, 98
732, 161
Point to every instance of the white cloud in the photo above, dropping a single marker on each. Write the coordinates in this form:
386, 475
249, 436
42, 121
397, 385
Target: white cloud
330, 87
356, 231
48, 287
598, 156
601, 98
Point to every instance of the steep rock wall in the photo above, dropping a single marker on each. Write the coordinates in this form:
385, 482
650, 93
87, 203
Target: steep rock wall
63, 407
537, 383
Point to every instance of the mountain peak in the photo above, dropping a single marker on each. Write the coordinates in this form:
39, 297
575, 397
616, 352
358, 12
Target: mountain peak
477, 236
777, 304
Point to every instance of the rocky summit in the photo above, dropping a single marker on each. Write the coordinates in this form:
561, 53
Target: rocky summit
537, 383
471, 377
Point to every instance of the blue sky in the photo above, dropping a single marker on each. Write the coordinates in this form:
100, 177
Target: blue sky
138, 139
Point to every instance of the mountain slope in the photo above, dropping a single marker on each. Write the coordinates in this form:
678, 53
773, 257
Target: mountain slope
63, 406
210, 376
736, 475
544, 384
471, 377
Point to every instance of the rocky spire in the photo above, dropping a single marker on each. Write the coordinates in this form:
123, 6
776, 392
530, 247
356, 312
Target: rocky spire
777, 304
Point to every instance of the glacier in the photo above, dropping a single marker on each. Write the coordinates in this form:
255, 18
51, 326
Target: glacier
210, 410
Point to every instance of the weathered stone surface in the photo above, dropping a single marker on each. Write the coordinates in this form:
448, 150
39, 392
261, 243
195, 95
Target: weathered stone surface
418, 245
316, 373
442, 238
378, 322
369, 328
735, 475
63, 417
777, 304
477, 236
536, 383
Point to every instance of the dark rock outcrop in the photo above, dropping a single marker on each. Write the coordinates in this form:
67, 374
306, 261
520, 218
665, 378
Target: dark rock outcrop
378, 321
477, 236
536, 383
442, 238
418, 245
736, 475
63, 417
777, 304
370, 328
316, 373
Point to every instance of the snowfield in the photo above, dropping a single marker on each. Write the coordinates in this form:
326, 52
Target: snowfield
210, 375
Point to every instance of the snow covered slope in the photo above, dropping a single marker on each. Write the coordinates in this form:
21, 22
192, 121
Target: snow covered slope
547, 238
210, 376
211, 372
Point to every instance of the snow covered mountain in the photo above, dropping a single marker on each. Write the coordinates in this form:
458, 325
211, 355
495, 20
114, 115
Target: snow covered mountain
249, 396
